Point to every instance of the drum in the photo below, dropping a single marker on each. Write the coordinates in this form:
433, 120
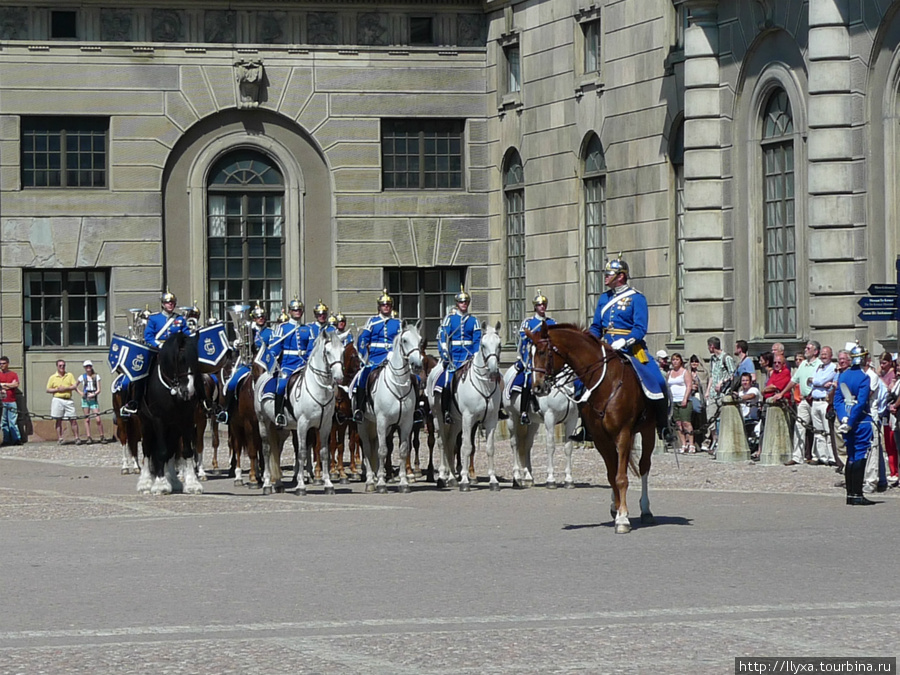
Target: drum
130, 357
212, 347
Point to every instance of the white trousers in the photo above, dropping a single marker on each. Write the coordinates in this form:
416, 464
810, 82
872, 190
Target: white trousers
822, 449
804, 419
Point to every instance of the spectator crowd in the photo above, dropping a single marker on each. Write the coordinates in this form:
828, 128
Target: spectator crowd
803, 385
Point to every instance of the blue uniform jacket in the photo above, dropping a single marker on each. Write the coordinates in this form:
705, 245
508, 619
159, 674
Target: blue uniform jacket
626, 318
289, 345
375, 340
532, 323
458, 339
858, 410
315, 328
161, 327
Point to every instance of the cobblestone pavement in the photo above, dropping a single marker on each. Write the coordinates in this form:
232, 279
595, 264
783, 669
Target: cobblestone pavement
744, 560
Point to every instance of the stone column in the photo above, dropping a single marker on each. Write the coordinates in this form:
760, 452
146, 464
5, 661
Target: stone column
708, 270
733, 445
836, 248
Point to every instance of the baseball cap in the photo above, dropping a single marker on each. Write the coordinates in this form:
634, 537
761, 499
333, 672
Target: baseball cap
661, 354
87, 363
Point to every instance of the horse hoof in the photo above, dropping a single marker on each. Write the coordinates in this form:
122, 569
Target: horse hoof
370, 487
329, 489
441, 483
623, 529
267, 490
517, 485
404, 489
238, 482
464, 487
551, 485
253, 486
569, 485
345, 481
495, 487
125, 472
203, 477
300, 492
319, 481
382, 489
647, 518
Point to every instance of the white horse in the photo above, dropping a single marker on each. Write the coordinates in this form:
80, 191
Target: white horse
557, 407
390, 407
477, 398
310, 407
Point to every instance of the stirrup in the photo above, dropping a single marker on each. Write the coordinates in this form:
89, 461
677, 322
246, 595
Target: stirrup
525, 419
280, 420
418, 416
222, 417
358, 416
448, 418
129, 409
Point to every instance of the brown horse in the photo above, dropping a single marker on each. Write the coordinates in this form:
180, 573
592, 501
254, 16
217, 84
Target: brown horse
201, 419
614, 412
128, 431
243, 434
343, 425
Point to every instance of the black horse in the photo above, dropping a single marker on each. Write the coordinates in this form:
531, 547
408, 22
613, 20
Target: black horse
167, 416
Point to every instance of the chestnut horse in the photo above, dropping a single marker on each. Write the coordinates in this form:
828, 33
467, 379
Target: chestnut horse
243, 433
614, 411
343, 425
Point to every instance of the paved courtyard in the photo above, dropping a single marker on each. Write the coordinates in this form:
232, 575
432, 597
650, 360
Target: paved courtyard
743, 560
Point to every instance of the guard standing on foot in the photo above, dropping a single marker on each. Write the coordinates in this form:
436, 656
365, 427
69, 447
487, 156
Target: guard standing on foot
851, 406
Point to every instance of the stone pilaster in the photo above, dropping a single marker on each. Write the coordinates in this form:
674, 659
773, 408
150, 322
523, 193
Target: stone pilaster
708, 268
836, 245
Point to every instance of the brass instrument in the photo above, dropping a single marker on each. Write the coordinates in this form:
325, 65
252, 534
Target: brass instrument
138, 323
240, 317
192, 317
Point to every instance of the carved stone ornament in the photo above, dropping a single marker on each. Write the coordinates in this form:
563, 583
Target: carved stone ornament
219, 26
322, 28
249, 76
470, 29
272, 28
13, 23
115, 25
167, 25
372, 29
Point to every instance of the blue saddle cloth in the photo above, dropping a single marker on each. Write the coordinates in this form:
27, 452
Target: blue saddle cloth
652, 380
269, 388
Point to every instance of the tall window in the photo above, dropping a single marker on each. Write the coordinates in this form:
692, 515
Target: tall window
513, 69
592, 36
676, 156
421, 30
780, 235
514, 202
422, 154
424, 294
245, 233
64, 151
594, 220
66, 308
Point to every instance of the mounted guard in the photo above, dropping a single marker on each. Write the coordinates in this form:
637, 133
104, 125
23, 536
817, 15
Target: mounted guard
290, 348
621, 320
252, 336
374, 346
524, 375
338, 322
160, 326
459, 338
320, 312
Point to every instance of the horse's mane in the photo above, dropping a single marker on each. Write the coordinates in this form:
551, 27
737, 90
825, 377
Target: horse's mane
179, 342
578, 328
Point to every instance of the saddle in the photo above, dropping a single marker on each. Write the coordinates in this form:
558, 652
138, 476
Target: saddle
373, 377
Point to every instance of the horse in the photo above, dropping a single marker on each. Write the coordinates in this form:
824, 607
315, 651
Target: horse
390, 408
128, 431
427, 423
201, 419
167, 417
614, 409
477, 401
343, 426
310, 409
555, 407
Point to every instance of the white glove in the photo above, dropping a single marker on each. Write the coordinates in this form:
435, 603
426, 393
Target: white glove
618, 344
844, 427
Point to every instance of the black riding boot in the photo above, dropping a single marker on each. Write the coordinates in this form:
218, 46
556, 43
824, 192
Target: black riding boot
359, 403
226, 406
854, 474
661, 409
446, 403
524, 400
581, 435
280, 419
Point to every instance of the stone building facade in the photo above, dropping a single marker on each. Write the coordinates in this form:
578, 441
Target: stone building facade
739, 153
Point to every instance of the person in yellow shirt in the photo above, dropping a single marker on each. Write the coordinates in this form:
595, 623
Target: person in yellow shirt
61, 384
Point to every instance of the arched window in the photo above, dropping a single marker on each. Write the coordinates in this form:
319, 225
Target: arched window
594, 185
245, 233
514, 204
676, 156
778, 219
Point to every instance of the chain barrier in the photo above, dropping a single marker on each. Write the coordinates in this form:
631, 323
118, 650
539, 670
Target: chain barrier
33, 416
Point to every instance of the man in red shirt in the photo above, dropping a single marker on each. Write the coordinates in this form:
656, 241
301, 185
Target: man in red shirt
9, 382
778, 380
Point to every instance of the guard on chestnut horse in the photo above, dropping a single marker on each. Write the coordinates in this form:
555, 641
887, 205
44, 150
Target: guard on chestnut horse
613, 406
